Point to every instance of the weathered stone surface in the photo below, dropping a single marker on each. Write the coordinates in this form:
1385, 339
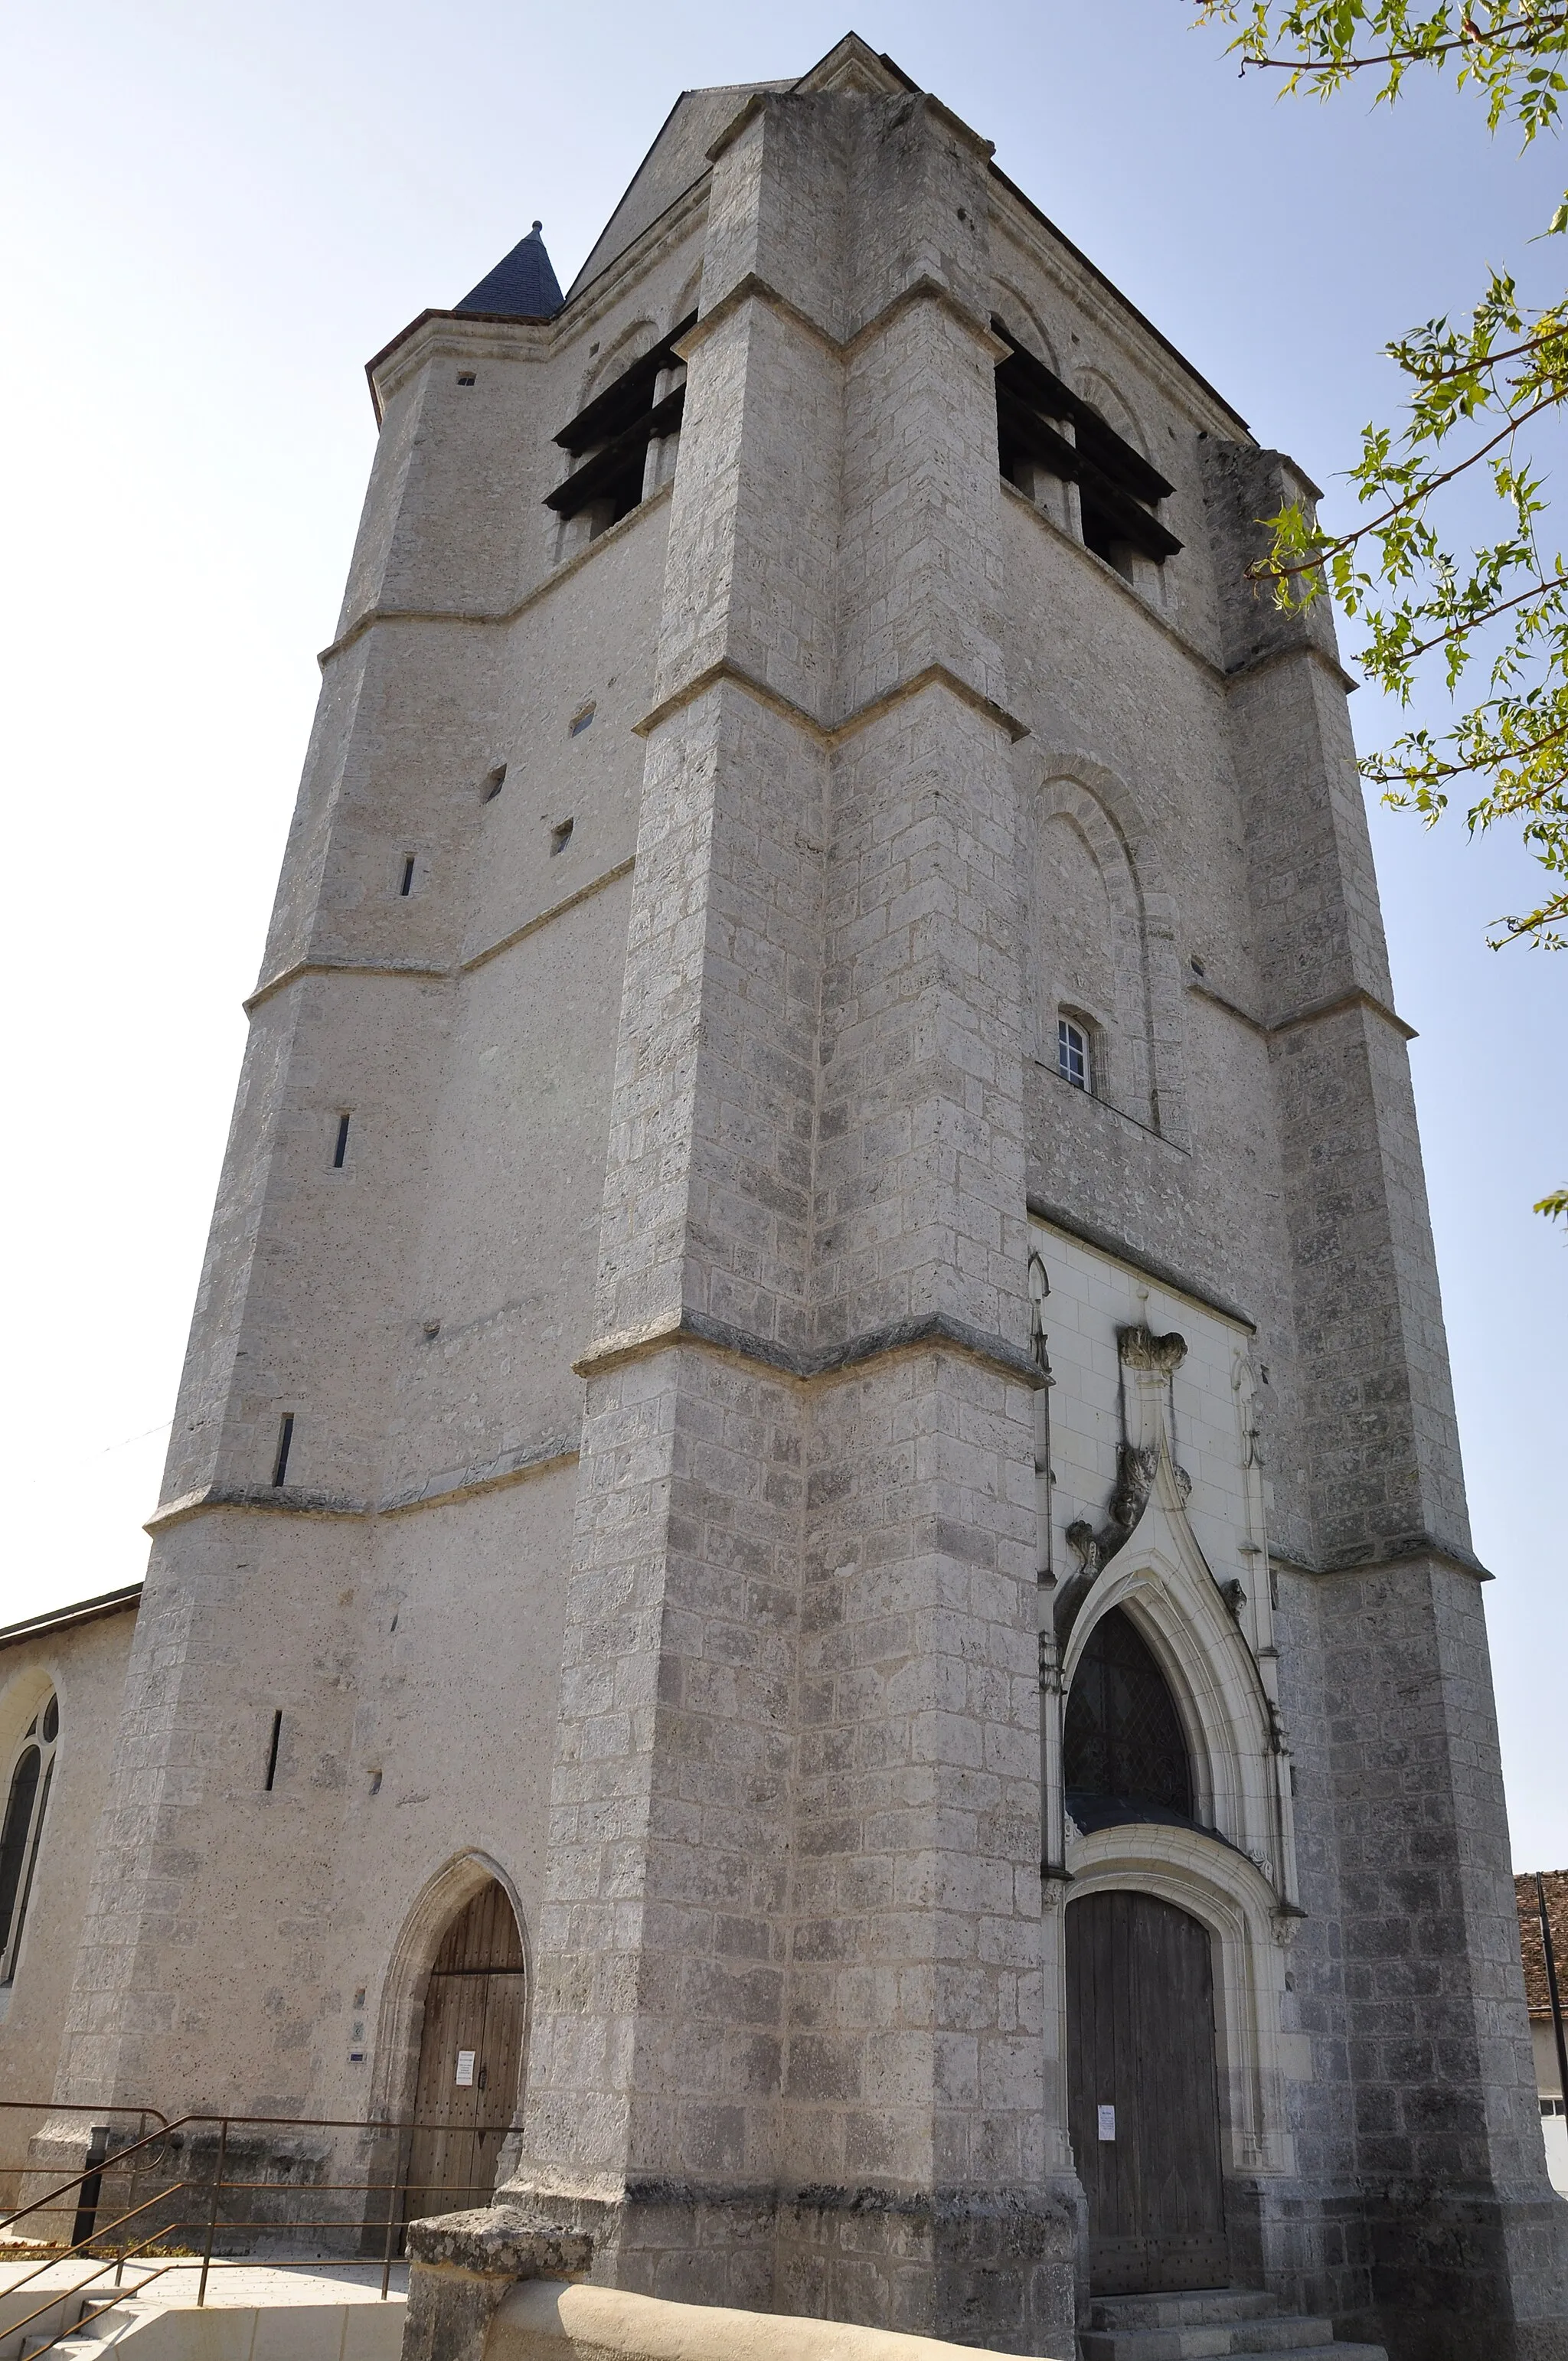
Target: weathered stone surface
719, 1325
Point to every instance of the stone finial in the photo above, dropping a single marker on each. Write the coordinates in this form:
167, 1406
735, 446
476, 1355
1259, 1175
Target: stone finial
1141, 1349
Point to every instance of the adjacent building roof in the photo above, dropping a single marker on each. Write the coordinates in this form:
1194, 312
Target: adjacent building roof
524, 286
1555, 1880
61, 1619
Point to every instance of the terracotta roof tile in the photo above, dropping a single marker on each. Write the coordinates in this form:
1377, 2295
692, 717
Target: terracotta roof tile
1556, 1884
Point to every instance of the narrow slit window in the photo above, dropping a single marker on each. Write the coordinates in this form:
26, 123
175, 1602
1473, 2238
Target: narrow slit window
407, 884
560, 837
273, 1749
580, 721
340, 1147
285, 1443
1072, 1054
494, 783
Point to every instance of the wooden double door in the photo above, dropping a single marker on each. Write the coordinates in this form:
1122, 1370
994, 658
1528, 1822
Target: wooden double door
1143, 2094
470, 2060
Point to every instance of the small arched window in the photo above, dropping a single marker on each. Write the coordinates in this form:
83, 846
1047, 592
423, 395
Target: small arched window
1123, 1748
1075, 1062
26, 1804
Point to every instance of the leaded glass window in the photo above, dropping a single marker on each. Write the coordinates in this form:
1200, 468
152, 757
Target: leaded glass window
1123, 1738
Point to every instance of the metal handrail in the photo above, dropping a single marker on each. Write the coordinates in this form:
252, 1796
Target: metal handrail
215, 2187
16, 2326
118, 2159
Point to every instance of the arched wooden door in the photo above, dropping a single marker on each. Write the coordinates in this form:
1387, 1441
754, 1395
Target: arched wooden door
470, 2057
1143, 2094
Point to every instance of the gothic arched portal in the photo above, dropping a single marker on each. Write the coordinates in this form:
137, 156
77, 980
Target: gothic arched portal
470, 2057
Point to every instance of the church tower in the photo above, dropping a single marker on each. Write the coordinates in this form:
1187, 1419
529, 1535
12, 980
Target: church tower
816, 1433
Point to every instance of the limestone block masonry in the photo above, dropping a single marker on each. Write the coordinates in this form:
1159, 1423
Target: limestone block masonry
686, 1369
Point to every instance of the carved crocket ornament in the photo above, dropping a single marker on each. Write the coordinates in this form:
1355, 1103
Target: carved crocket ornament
1148, 1364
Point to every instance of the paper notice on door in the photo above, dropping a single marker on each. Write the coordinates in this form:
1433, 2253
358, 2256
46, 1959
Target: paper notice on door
465, 2074
1105, 2119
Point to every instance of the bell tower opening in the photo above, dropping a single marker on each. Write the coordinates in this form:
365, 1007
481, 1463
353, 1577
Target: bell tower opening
470, 2057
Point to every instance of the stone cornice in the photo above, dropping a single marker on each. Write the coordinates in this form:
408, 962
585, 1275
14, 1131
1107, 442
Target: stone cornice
1391, 1549
301, 968
1312, 1012
484, 335
1270, 657
926, 289
296, 974
1106, 1242
931, 1331
830, 734
556, 910
489, 618
437, 1491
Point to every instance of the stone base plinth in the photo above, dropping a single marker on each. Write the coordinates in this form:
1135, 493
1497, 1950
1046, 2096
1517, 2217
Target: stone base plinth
996, 2270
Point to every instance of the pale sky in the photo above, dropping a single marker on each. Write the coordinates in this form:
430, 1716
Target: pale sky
215, 212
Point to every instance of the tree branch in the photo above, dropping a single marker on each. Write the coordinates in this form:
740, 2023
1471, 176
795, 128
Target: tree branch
1487, 615
1380, 770
1268, 569
1536, 32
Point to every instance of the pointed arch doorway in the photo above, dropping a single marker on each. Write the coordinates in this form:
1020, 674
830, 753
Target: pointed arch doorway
470, 2057
1143, 2089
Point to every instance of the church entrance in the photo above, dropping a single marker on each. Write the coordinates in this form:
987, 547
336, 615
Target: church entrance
470, 2058
1143, 2101
1143, 2092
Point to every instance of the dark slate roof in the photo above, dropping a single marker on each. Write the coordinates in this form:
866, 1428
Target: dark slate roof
522, 287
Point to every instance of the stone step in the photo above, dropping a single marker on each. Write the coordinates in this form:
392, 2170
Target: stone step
1333, 2352
1196, 2306
94, 2325
88, 2338
1206, 2340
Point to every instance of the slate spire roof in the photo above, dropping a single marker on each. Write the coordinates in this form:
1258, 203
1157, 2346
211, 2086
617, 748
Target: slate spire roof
522, 286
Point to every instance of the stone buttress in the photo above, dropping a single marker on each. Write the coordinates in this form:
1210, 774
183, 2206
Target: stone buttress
787, 2031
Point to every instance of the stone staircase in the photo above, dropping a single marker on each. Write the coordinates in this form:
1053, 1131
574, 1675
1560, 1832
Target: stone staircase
254, 2310
102, 2317
1242, 2323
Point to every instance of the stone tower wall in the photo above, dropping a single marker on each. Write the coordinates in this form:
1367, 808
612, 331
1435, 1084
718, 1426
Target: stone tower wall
663, 1524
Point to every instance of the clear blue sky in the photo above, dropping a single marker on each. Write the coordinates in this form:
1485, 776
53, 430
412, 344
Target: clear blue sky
214, 214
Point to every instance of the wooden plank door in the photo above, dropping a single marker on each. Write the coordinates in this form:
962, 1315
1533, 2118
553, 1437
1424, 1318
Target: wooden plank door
446, 2112
1143, 2104
498, 2067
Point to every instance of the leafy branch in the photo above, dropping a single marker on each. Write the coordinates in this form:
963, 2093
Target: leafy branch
1476, 392
1504, 48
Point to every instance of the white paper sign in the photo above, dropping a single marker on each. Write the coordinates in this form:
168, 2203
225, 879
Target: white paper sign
465, 2075
1106, 2117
